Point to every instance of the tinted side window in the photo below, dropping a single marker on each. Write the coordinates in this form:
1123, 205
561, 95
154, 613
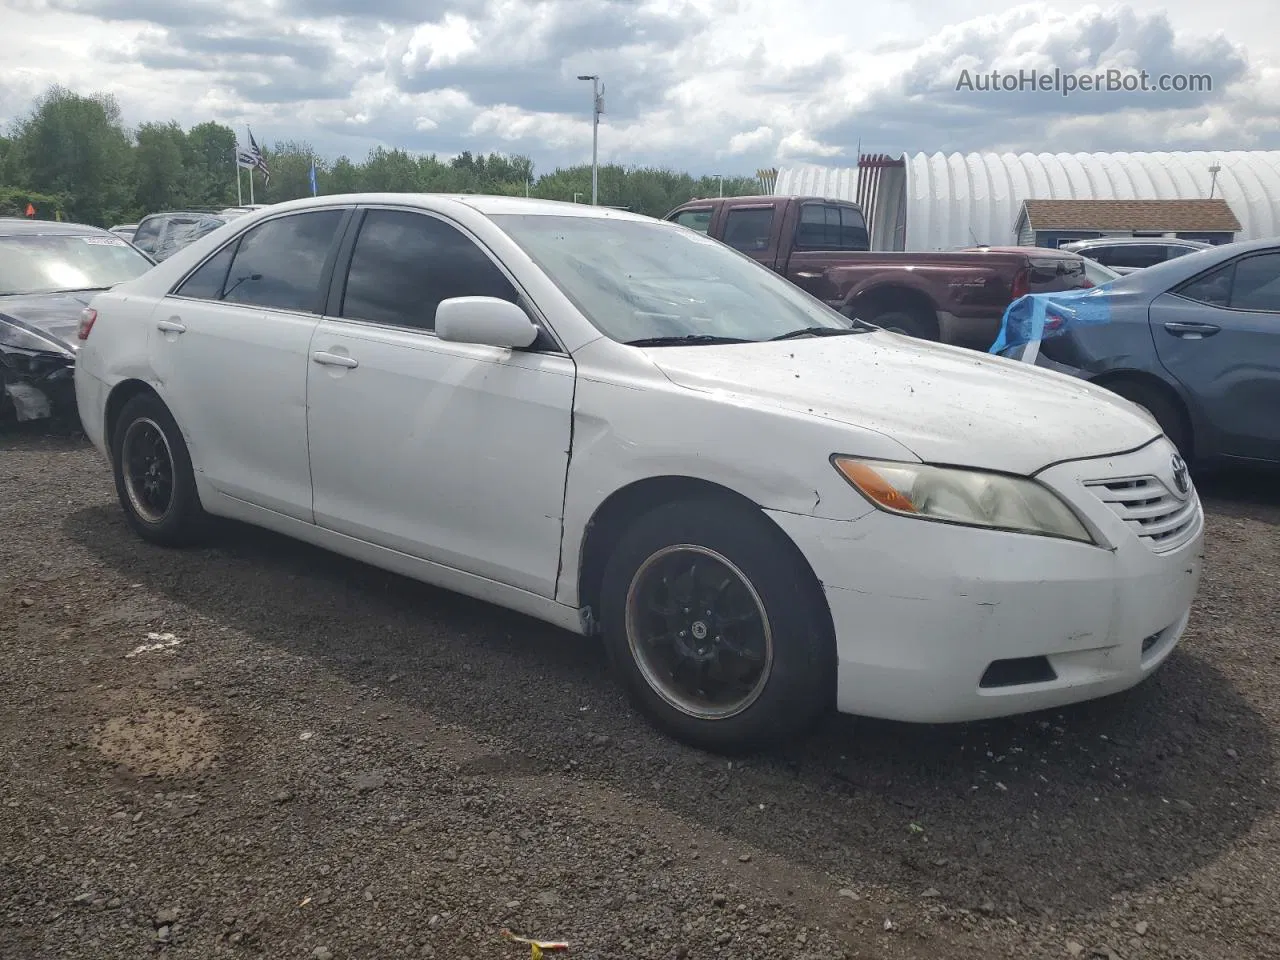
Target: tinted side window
1135, 255
208, 281
280, 263
699, 220
748, 230
1257, 283
831, 227
1171, 252
853, 230
1212, 288
405, 263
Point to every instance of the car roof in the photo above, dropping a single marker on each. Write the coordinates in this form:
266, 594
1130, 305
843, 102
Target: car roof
183, 213
1107, 241
482, 203
22, 227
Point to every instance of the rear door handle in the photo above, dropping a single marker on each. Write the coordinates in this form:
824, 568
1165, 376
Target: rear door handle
1192, 330
808, 274
171, 326
334, 360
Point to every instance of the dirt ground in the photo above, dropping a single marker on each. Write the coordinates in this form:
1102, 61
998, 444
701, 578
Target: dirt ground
261, 750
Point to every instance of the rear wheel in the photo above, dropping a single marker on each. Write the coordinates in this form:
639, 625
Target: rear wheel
715, 628
1163, 410
154, 479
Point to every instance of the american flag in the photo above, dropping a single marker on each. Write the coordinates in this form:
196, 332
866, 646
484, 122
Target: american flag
256, 160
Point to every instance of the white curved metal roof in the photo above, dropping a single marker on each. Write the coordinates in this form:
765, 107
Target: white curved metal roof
957, 200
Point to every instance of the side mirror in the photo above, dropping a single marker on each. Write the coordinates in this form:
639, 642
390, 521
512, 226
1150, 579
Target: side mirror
487, 320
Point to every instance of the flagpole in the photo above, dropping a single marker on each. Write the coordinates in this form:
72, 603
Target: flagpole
235, 162
251, 188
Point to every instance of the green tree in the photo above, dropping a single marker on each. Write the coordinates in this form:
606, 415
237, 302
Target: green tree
76, 146
210, 165
159, 167
73, 153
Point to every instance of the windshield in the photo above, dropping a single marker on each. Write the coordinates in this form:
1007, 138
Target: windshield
48, 264
639, 280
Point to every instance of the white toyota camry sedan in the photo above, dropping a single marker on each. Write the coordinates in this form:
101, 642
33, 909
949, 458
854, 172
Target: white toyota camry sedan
616, 425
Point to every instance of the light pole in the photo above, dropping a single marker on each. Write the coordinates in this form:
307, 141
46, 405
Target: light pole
720, 177
596, 109
1213, 171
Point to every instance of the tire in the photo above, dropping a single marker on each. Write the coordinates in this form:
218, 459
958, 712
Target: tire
907, 322
792, 639
1165, 412
145, 431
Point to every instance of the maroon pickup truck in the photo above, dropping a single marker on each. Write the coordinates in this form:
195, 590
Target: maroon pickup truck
821, 246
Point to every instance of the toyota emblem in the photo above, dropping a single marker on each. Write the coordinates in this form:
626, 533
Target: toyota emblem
1181, 476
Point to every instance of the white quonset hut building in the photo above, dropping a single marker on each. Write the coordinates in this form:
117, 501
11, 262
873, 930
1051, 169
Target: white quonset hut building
941, 202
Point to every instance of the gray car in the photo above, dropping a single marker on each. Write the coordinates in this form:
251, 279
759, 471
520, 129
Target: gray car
1195, 341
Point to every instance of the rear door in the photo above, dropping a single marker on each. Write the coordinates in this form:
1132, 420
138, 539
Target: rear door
1219, 335
230, 349
823, 229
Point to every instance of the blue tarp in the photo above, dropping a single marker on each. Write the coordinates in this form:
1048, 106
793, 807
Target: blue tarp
1038, 316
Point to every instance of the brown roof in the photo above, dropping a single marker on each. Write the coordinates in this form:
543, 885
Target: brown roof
1166, 215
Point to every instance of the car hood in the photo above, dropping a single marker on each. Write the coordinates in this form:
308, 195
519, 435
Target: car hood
945, 404
51, 316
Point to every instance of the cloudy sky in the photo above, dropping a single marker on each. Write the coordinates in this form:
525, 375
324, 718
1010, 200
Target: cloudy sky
712, 86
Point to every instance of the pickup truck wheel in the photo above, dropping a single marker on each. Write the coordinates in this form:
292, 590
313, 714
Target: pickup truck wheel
713, 626
907, 322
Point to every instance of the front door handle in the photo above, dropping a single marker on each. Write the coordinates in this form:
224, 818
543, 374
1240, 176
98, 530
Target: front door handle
808, 274
334, 360
171, 326
1192, 330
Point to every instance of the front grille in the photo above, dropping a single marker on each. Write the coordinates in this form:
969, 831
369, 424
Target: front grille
1150, 510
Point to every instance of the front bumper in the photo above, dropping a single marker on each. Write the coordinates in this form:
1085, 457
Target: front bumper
938, 623
35, 384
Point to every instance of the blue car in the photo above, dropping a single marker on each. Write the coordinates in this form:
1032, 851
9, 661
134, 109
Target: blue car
1195, 341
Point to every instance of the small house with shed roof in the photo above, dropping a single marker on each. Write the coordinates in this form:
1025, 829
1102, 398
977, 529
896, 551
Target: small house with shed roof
1051, 223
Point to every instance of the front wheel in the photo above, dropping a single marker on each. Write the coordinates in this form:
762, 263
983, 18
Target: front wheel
154, 480
910, 323
716, 629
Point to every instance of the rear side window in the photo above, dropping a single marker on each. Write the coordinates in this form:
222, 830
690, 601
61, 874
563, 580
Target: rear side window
280, 263
748, 229
405, 263
1257, 284
699, 220
826, 226
1212, 288
208, 282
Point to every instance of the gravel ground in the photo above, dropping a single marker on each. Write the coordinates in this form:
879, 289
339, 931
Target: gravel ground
260, 749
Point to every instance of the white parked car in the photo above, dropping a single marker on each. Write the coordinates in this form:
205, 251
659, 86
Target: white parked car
617, 425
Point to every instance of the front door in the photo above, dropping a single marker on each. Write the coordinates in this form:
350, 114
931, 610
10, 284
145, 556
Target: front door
454, 453
230, 349
1219, 334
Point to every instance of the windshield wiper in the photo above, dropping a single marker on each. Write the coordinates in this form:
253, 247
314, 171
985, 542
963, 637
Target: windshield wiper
684, 339
822, 332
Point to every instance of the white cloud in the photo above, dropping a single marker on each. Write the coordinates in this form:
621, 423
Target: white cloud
696, 84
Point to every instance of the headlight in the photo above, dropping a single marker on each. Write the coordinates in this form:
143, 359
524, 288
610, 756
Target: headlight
20, 338
969, 497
